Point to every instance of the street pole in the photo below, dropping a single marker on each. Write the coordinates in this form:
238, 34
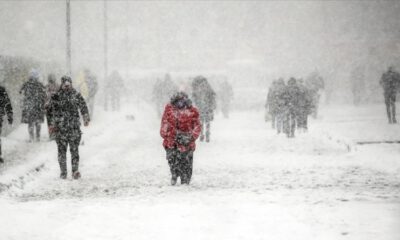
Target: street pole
68, 37
105, 41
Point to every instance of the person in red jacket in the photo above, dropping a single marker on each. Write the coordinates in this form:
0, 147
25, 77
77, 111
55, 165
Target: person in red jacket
180, 127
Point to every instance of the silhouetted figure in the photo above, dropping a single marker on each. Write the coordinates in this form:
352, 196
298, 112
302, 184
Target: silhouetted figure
204, 99
33, 106
113, 90
66, 105
180, 127
390, 82
5, 109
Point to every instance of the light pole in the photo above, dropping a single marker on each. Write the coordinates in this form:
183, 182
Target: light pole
68, 28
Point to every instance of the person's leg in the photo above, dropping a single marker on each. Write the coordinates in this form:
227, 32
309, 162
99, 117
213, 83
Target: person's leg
172, 162
1, 155
31, 130
273, 120
388, 111
393, 107
202, 129
279, 123
188, 166
38, 127
62, 156
286, 124
292, 123
305, 122
74, 149
208, 131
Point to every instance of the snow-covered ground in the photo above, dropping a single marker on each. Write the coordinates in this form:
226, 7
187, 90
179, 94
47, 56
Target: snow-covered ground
248, 183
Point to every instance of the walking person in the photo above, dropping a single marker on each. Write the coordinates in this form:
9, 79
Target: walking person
390, 82
5, 109
33, 105
180, 127
65, 106
204, 99
113, 90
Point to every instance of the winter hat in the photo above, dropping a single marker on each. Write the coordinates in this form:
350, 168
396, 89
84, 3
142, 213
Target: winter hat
181, 100
65, 79
51, 78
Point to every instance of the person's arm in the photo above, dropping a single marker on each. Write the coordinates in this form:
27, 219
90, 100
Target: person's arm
8, 108
84, 110
165, 128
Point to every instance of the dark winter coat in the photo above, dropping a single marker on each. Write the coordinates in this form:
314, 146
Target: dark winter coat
176, 121
65, 106
291, 98
204, 99
390, 82
34, 101
304, 100
5, 106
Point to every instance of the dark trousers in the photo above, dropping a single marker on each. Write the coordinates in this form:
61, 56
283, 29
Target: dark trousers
62, 145
390, 102
1, 127
280, 119
289, 123
180, 164
31, 129
302, 120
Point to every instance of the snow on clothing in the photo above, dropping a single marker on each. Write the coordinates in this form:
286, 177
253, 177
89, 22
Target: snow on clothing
180, 127
176, 120
5, 109
34, 100
65, 106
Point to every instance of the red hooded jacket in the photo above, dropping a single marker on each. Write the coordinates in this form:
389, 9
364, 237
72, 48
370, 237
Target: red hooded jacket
185, 120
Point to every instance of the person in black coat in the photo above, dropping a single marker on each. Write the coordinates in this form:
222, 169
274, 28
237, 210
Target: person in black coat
65, 106
33, 104
5, 109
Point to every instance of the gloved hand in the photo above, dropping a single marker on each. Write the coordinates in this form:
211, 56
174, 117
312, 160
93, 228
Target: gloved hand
10, 121
183, 138
86, 123
52, 129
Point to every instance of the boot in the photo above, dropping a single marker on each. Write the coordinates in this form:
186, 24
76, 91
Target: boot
1, 160
174, 179
63, 175
76, 175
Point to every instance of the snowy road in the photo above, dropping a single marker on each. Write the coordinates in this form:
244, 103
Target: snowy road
248, 183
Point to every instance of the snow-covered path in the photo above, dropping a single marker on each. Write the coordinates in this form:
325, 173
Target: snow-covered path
248, 183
